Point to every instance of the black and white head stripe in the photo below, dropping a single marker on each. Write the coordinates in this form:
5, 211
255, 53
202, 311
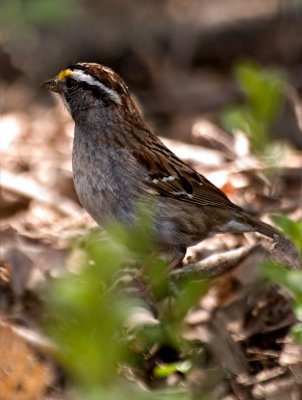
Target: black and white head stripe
81, 76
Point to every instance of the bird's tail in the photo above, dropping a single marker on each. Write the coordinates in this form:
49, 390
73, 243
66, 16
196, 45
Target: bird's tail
262, 227
284, 249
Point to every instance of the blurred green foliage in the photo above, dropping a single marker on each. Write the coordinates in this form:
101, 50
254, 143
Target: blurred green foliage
291, 280
292, 229
165, 370
17, 13
288, 278
264, 92
88, 314
83, 324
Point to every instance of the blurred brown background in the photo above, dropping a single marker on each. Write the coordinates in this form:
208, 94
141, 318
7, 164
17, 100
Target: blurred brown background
177, 56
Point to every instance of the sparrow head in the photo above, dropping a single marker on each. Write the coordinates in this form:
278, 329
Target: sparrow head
85, 85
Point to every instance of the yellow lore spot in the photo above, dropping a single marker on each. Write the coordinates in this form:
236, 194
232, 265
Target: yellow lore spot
64, 74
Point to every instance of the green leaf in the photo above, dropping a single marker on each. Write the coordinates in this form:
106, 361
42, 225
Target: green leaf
292, 229
164, 370
264, 92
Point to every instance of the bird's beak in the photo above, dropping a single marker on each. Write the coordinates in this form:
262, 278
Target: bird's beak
54, 85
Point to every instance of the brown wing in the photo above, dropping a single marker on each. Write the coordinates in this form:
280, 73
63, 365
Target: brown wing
168, 176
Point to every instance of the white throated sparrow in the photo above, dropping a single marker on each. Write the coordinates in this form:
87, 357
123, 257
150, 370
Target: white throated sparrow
117, 161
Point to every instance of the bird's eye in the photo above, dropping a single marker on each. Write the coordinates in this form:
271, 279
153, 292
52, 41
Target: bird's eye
71, 84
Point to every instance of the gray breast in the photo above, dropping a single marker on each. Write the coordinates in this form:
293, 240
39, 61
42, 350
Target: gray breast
106, 180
